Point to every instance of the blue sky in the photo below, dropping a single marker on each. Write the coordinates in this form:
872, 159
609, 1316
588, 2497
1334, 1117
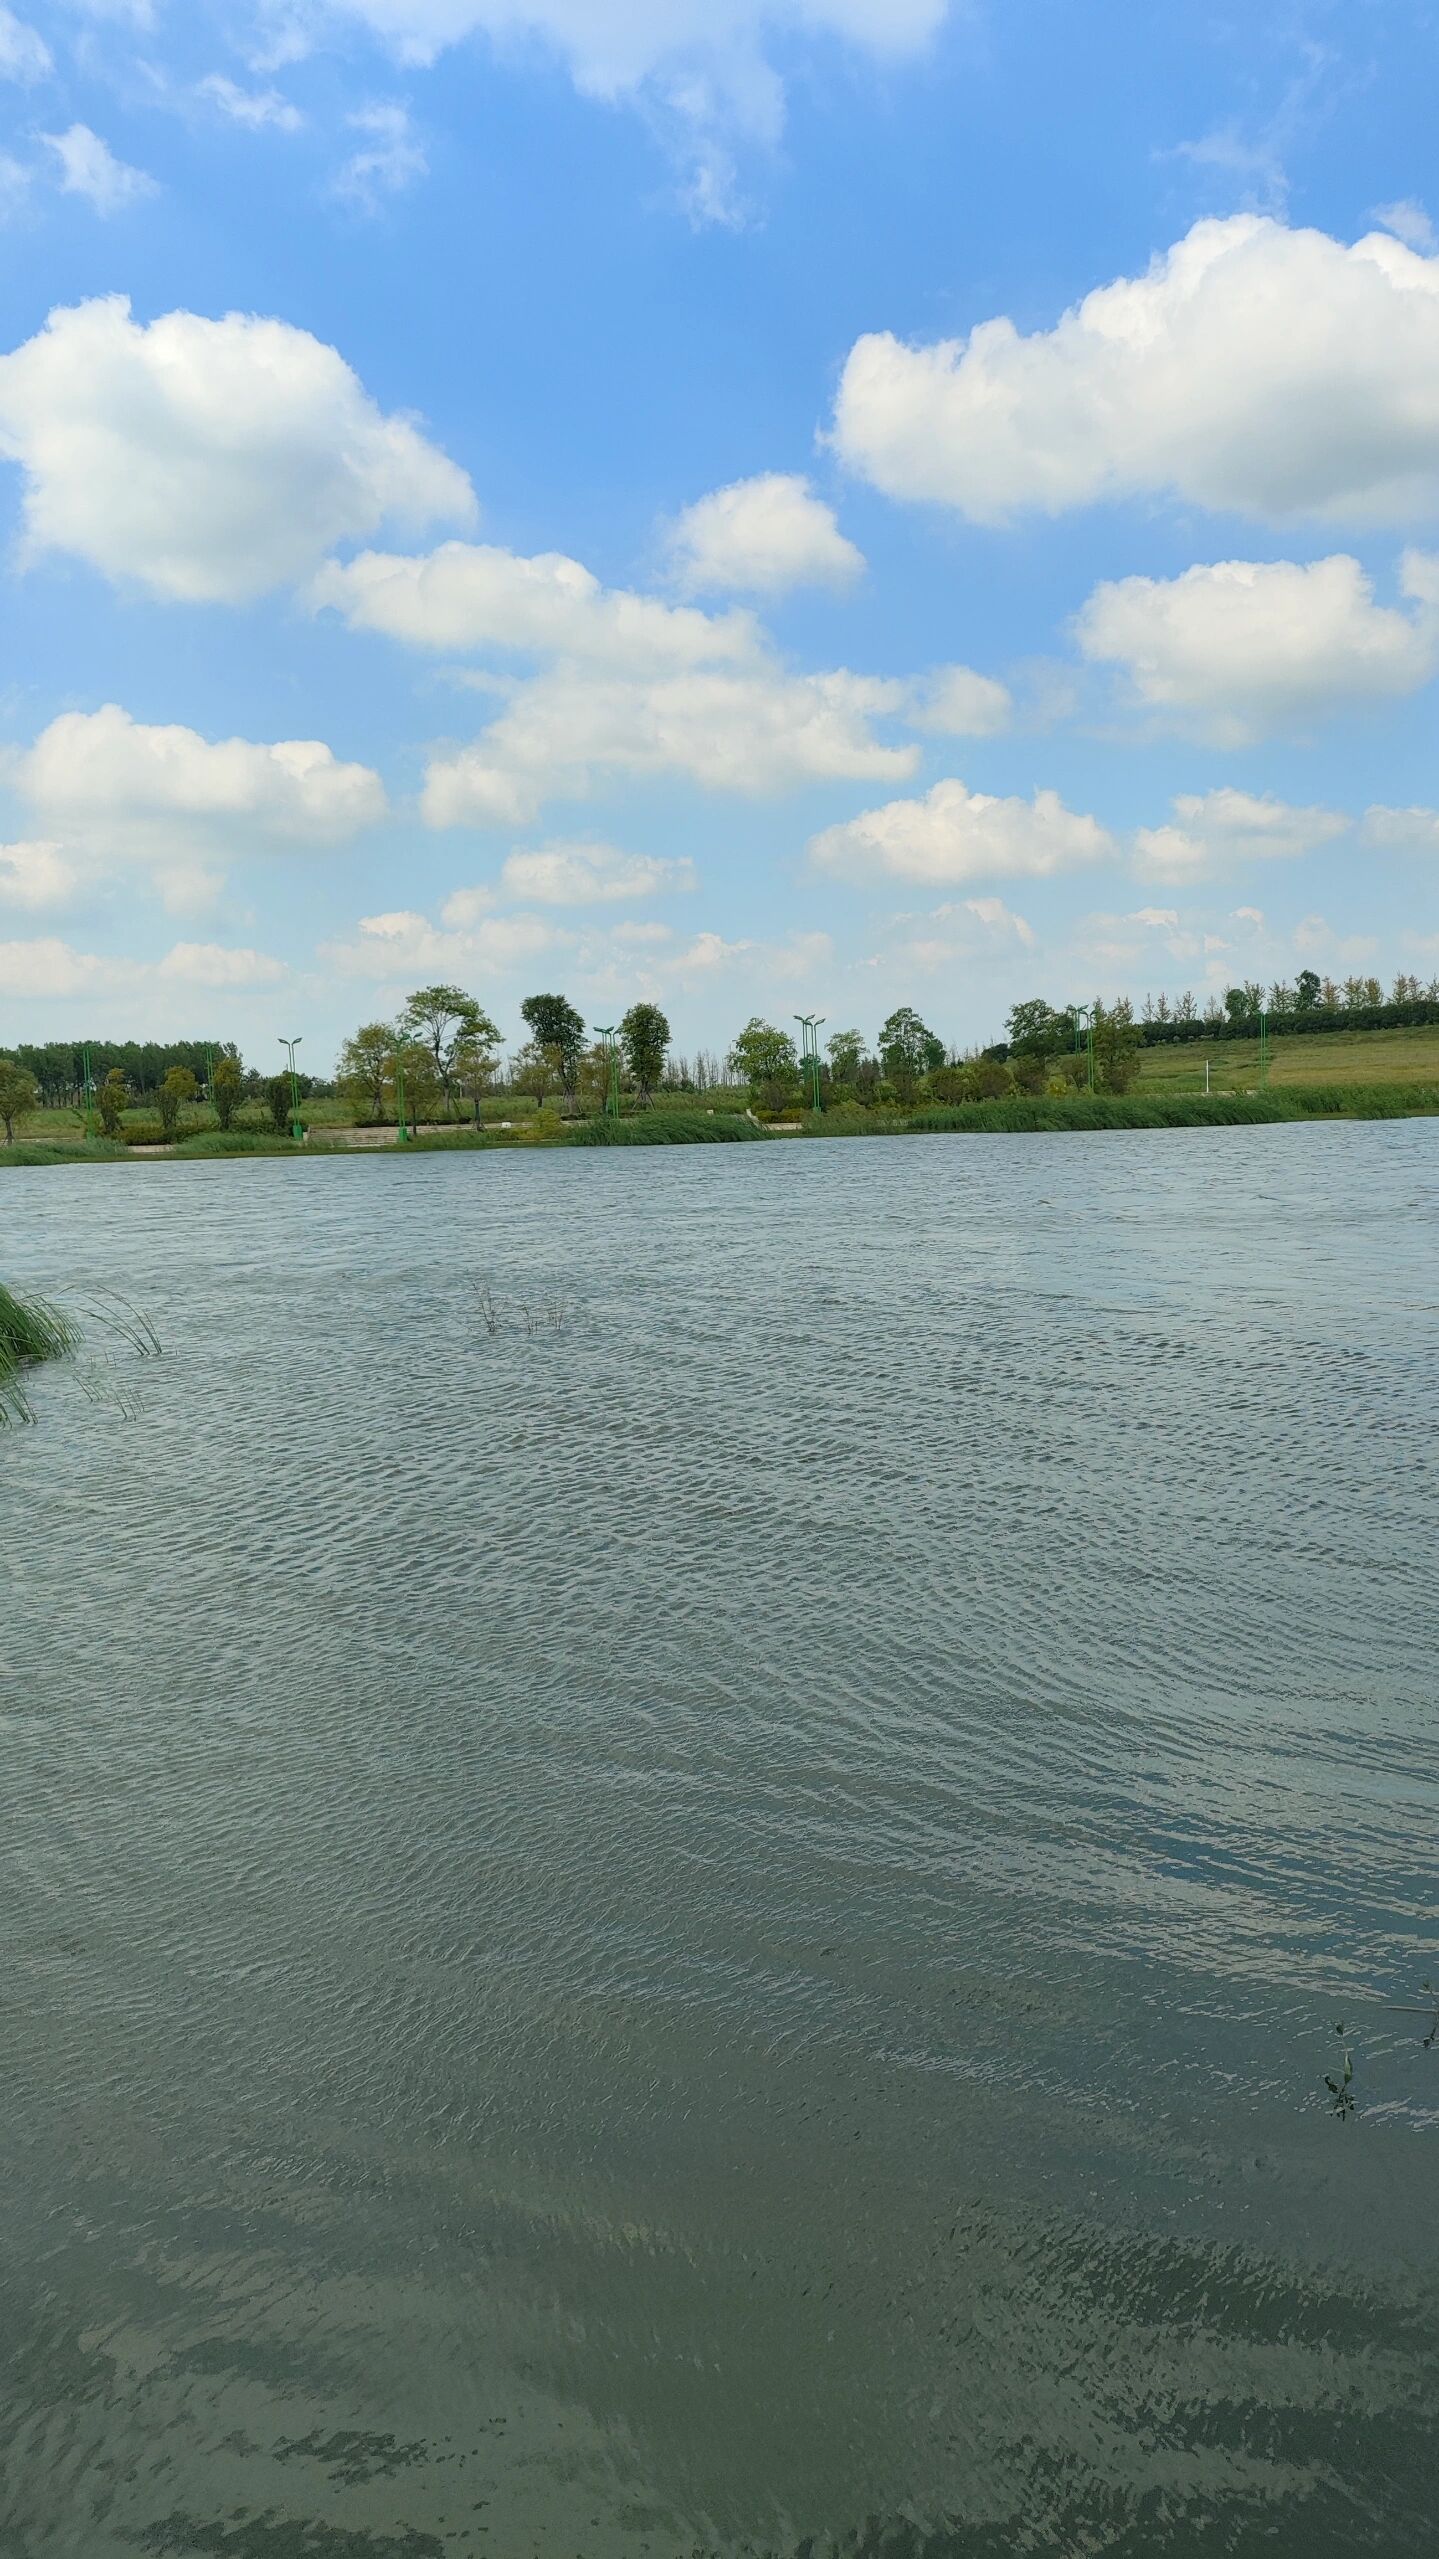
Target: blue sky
814, 505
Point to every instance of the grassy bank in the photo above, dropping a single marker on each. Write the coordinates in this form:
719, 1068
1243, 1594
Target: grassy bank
1016, 1114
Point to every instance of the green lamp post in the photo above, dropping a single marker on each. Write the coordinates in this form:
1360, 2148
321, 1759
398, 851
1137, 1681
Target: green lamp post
609, 1033
297, 1125
809, 1024
1263, 1046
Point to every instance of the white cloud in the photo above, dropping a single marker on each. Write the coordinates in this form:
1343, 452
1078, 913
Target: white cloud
1316, 938
35, 874
612, 46
1247, 646
472, 595
23, 54
700, 70
1256, 369
753, 730
1410, 223
1414, 830
258, 110
955, 834
108, 773
206, 458
634, 685
89, 168
585, 874
46, 970
390, 160
1212, 830
405, 945
955, 702
761, 537
214, 964
786, 963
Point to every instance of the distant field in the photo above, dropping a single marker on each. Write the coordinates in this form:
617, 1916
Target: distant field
1329, 1057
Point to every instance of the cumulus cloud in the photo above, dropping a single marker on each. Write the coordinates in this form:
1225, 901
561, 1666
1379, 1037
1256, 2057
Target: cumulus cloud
24, 55
473, 595
35, 875
1410, 223
1272, 372
105, 770
632, 685
585, 874
751, 730
206, 458
116, 793
1212, 830
45, 970
1245, 646
955, 834
89, 168
404, 944
761, 537
955, 702
1413, 830
258, 110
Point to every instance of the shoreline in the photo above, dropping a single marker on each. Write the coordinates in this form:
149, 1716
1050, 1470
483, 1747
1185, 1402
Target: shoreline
1013, 1116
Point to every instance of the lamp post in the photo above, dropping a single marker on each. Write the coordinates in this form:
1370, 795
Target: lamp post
809, 1039
608, 1032
89, 1097
1263, 1046
402, 1124
1084, 1013
297, 1126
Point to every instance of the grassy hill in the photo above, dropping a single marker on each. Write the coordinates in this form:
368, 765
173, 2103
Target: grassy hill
1324, 1057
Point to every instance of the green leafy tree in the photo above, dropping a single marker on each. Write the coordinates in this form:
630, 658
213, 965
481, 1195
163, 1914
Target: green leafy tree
558, 1029
1308, 988
644, 1039
112, 1097
176, 1087
907, 1051
227, 1089
533, 1071
475, 1063
441, 1020
366, 1063
1117, 1039
1036, 1030
767, 1061
19, 1093
846, 1053
280, 1102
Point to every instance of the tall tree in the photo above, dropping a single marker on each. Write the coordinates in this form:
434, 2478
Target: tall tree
767, 1061
1036, 1030
226, 1087
366, 1063
113, 1095
846, 1053
644, 1038
176, 1087
440, 1020
558, 1029
19, 1092
907, 1051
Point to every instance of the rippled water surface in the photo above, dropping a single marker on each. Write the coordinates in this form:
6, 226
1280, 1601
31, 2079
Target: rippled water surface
718, 1927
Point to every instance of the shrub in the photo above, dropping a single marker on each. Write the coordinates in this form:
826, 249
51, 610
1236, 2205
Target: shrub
666, 1128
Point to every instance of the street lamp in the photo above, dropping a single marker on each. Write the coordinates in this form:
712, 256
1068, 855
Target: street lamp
89, 1098
1263, 1046
1084, 1013
402, 1122
809, 1035
608, 1032
297, 1126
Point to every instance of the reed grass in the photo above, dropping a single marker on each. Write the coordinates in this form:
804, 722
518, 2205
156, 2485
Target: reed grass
666, 1128
30, 1331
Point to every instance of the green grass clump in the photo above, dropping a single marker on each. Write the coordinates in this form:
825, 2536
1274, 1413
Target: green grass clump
667, 1128
233, 1141
29, 1331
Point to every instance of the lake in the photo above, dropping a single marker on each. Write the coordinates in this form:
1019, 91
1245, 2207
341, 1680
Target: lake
683, 1835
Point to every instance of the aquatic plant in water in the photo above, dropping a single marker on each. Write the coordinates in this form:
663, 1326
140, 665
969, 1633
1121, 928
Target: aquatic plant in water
30, 1331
